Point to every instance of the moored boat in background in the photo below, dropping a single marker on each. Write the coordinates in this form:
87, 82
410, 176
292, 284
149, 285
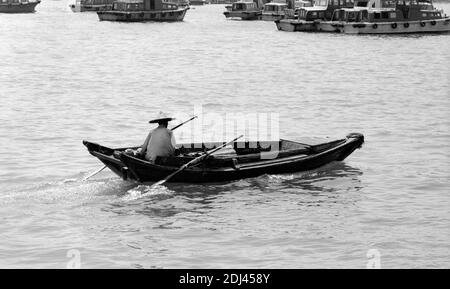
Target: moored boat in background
18, 6
142, 11
245, 10
243, 160
295, 5
91, 5
388, 17
308, 17
274, 10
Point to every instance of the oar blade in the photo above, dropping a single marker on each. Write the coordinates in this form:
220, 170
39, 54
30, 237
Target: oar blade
94, 173
158, 183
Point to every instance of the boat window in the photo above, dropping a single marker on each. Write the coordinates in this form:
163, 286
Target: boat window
365, 15
376, 15
392, 15
321, 3
424, 14
361, 4
388, 3
303, 13
384, 15
351, 17
335, 16
321, 15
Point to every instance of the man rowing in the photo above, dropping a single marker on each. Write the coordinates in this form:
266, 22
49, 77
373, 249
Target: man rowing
160, 142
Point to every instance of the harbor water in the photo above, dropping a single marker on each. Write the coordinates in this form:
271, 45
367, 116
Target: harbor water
65, 77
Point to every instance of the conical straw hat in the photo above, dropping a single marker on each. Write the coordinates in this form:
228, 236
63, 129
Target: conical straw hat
161, 117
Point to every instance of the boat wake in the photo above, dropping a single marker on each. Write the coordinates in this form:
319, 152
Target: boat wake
143, 191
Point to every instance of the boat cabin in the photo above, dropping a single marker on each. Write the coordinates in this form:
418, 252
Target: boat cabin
323, 9
143, 5
295, 5
274, 7
388, 11
244, 6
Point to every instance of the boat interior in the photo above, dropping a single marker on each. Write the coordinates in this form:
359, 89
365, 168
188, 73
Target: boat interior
239, 152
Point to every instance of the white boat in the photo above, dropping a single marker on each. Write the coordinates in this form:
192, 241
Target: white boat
244, 10
274, 11
181, 3
388, 17
308, 17
295, 5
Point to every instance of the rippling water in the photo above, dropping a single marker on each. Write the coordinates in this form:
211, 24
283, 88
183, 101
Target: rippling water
65, 77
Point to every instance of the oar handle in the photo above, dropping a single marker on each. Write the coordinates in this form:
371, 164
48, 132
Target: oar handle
175, 127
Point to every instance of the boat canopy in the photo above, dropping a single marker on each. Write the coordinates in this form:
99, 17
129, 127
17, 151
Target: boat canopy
314, 8
243, 5
275, 4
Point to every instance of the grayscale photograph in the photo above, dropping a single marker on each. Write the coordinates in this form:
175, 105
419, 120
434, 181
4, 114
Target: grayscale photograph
224, 134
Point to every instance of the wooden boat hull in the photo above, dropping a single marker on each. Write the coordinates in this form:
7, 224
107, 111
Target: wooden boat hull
143, 16
293, 25
106, 156
19, 7
244, 15
424, 26
144, 171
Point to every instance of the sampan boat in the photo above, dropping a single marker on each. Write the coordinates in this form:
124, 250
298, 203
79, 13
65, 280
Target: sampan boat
245, 160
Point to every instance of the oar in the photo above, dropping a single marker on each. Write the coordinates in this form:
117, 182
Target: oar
194, 161
175, 127
94, 173
102, 168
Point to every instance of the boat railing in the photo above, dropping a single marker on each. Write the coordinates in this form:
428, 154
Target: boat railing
139, 6
124, 6
94, 2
